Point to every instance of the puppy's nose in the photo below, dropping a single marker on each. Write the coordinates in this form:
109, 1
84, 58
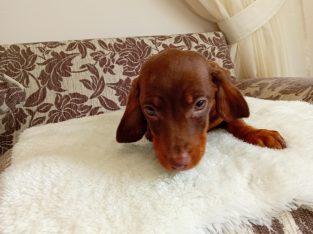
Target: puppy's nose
181, 159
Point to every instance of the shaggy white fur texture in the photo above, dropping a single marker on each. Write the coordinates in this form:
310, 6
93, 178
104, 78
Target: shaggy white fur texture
72, 177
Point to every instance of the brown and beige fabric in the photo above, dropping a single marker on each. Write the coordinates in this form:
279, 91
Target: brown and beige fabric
278, 88
50, 82
12, 94
12, 97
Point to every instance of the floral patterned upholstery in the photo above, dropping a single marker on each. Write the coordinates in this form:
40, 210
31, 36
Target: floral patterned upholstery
278, 88
72, 79
11, 94
12, 97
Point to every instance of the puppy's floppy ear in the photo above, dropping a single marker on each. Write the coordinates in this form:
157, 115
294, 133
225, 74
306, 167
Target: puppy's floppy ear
133, 124
230, 104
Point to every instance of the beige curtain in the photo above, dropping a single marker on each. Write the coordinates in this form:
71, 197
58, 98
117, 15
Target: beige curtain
267, 37
308, 20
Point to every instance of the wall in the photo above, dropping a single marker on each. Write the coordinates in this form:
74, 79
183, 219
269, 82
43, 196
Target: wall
47, 20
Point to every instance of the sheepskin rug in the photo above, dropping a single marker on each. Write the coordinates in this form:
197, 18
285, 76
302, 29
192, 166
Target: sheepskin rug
72, 177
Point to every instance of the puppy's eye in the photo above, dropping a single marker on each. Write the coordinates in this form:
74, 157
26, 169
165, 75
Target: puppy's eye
200, 104
150, 110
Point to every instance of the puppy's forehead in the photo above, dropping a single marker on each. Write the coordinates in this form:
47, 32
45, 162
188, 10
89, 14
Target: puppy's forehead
174, 66
175, 76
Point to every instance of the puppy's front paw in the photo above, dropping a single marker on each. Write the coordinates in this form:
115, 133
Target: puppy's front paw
265, 138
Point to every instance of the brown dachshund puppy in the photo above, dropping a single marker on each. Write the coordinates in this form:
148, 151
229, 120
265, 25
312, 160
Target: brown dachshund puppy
176, 99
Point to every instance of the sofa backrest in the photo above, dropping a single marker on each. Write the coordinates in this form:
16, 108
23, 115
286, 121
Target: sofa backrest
57, 81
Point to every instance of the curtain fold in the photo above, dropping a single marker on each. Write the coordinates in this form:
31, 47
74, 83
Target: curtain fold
267, 37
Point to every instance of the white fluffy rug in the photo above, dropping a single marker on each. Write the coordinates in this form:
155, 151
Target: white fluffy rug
72, 177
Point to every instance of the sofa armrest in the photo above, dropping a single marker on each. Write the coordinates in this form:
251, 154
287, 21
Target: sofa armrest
12, 94
278, 88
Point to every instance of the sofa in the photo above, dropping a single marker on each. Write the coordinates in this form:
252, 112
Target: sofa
50, 82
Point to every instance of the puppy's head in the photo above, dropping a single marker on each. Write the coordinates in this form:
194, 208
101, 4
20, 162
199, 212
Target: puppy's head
173, 97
